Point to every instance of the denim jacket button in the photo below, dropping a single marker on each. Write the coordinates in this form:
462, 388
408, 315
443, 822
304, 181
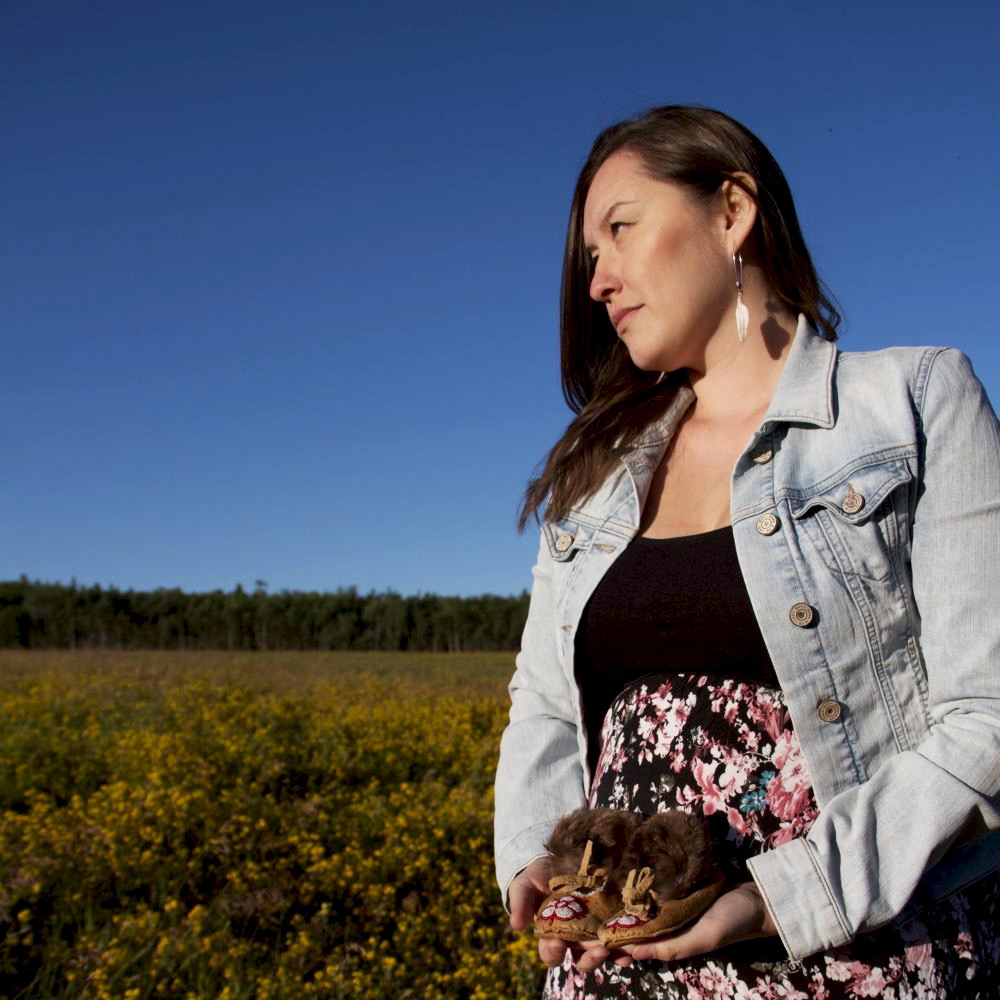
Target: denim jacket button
761, 454
829, 710
801, 614
767, 524
563, 542
853, 502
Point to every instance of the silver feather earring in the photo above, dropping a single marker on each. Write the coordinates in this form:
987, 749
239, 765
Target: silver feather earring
742, 315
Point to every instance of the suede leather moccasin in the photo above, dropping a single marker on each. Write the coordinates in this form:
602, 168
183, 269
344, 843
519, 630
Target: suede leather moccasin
583, 849
578, 904
644, 916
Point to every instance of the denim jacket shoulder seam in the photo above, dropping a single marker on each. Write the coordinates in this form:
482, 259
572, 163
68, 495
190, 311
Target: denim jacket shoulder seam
930, 355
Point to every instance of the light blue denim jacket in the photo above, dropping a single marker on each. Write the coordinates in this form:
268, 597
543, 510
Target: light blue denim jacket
883, 472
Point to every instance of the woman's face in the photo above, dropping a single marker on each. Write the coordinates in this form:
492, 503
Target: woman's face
662, 265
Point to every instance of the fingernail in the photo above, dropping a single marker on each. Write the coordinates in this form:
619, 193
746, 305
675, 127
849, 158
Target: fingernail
642, 951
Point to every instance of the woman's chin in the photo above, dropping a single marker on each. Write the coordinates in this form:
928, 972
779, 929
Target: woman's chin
650, 363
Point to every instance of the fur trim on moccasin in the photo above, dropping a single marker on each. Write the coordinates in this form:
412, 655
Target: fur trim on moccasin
671, 877
583, 847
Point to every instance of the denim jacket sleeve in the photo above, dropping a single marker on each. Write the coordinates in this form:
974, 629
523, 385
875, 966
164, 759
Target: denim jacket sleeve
862, 859
540, 776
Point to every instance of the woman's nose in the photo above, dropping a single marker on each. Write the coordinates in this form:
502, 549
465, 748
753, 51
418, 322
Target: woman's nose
604, 282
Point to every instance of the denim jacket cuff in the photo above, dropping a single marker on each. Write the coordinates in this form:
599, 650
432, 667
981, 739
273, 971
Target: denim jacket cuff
518, 853
799, 900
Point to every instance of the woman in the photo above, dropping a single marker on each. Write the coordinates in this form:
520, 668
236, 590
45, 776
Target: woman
763, 593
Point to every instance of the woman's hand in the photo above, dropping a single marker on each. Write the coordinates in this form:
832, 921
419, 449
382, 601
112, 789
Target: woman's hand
526, 892
529, 888
737, 915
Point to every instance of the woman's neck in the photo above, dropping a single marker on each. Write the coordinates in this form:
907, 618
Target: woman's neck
739, 379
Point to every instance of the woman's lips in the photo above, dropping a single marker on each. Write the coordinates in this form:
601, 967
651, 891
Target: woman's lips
621, 317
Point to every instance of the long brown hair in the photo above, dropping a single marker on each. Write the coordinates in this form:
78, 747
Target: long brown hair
699, 149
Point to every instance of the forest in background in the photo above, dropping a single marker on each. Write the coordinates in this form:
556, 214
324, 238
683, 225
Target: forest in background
37, 615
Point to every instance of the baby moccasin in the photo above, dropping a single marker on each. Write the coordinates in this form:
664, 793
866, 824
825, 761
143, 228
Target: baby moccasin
646, 916
582, 848
672, 878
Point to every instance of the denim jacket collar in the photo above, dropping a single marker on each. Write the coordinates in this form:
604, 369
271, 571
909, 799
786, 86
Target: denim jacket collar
805, 389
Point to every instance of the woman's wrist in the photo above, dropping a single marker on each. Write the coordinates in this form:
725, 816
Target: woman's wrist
767, 924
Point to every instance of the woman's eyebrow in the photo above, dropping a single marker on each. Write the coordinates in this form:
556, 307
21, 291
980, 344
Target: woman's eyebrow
607, 218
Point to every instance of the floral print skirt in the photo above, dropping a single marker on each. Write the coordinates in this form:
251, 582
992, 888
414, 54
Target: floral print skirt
727, 749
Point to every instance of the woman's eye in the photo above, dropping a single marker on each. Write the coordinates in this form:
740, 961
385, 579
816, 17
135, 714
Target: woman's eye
616, 228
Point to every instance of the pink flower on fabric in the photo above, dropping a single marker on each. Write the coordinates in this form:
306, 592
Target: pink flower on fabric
964, 945
767, 989
788, 794
871, 984
659, 731
838, 971
817, 988
734, 775
664, 691
680, 711
732, 707
737, 821
686, 796
704, 774
714, 982
755, 711
918, 950
774, 721
783, 834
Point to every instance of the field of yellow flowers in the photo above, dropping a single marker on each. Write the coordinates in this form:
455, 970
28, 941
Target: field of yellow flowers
267, 825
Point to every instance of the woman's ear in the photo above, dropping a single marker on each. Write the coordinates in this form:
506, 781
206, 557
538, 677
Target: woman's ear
739, 205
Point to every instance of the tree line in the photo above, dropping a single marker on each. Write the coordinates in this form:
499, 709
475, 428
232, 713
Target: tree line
37, 615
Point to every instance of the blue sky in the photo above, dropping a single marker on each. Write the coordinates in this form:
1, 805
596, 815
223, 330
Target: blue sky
279, 281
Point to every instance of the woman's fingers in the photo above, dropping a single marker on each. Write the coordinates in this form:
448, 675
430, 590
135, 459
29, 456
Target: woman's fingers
735, 916
526, 892
552, 951
588, 955
522, 905
695, 941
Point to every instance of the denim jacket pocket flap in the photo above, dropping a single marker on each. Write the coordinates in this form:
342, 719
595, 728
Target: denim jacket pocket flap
565, 538
855, 496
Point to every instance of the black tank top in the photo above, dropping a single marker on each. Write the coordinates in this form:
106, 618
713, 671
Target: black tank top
667, 606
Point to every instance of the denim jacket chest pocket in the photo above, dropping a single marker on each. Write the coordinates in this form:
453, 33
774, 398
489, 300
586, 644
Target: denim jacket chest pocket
856, 525
858, 520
